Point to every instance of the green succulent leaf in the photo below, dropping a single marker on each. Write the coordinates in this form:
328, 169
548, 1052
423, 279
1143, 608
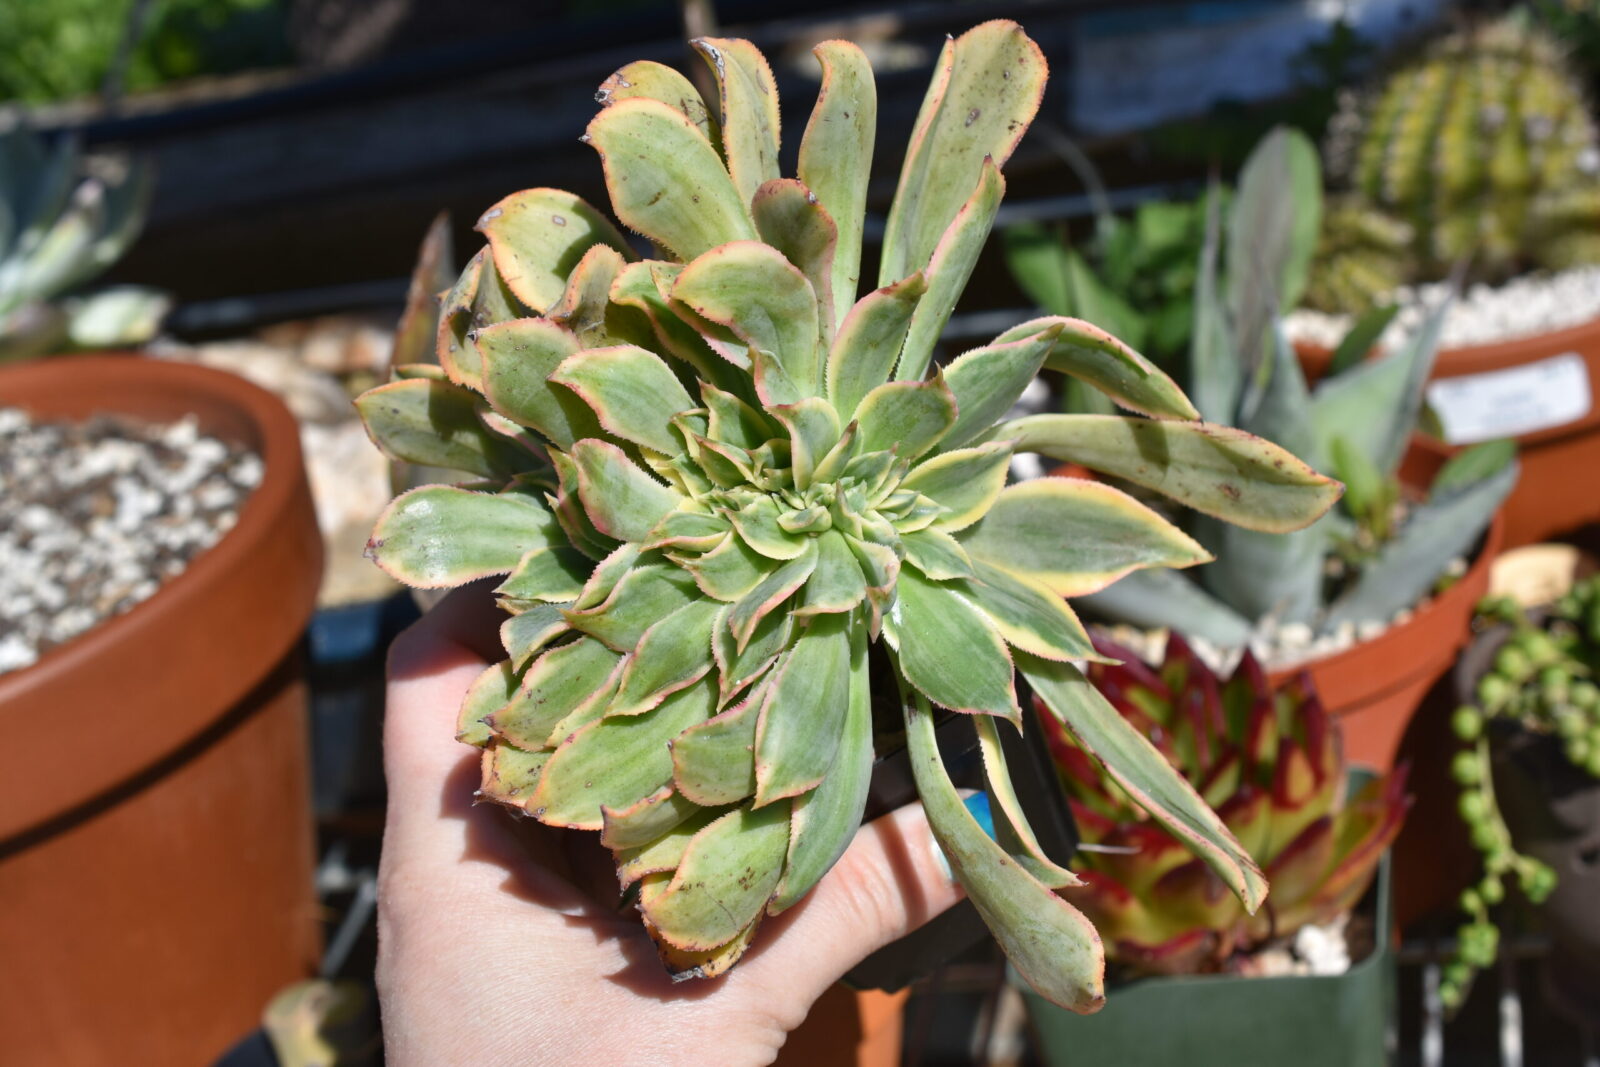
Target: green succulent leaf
538, 236
950, 651
634, 393
671, 654
488, 693
748, 101
986, 89
550, 573
869, 341
791, 219
1216, 470
1051, 944
1076, 536
1143, 773
1012, 831
657, 81
518, 358
763, 298
803, 712
620, 499
948, 269
711, 762
986, 382
525, 633
644, 595
836, 156
646, 820
439, 536
436, 424
826, 818
554, 686
665, 179
727, 874
965, 483
1027, 613
1098, 359
906, 417
617, 761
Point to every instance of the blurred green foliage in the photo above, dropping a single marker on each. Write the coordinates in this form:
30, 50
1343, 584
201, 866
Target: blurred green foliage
62, 49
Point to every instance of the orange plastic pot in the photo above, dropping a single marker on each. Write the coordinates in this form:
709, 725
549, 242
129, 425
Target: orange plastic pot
156, 848
848, 1028
1558, 491
1375, 688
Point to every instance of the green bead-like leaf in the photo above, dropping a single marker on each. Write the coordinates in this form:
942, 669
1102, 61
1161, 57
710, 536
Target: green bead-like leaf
908, 417
836, 156
665, 179
617, 761
965, 483
766, 301
436, 424
1076, 536
438, 536
620, 499
803, 711
722, 884
949, 650
1049, 942
633, 393
1143, 773
538, 236
986, 89
1217, 470
518, 358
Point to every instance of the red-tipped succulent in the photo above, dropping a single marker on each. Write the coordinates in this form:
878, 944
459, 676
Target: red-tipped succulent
1270, 762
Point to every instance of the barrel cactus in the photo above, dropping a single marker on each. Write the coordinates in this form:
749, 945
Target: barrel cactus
721, 493
1269, 761
1485, 145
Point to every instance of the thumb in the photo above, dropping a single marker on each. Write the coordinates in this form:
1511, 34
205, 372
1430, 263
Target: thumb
890, 881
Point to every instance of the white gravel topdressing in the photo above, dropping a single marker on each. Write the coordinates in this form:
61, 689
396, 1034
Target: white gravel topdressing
1523, 307
94, 516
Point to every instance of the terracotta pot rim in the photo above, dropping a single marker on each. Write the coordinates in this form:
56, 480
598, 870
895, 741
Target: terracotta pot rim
1361, 656
65, 673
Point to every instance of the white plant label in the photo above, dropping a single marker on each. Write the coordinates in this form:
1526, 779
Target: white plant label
1512, 402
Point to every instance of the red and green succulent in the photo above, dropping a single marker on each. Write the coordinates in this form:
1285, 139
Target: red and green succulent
1269, 761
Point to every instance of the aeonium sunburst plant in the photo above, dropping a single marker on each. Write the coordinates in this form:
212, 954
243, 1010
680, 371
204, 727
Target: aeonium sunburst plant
718, 486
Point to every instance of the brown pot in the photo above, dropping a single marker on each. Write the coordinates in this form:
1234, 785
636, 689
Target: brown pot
1557, 490
1374, 688
156, 849
848, 1028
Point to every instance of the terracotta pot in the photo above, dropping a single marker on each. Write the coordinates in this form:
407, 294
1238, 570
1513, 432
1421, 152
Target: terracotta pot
1374, 688
848, 1028
1555, 493
156, 848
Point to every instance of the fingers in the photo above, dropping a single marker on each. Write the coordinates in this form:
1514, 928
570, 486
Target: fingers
890, 881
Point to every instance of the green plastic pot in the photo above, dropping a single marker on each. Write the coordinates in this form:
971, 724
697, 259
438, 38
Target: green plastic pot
1308, 1021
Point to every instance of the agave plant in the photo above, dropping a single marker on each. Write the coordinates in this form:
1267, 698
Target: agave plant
720, 486
1270, 762
58, 229
1357, 565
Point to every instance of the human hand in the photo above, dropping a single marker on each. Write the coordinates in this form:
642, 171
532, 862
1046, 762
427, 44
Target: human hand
500, 941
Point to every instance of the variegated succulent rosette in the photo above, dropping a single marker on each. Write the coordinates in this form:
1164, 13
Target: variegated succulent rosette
717, 485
